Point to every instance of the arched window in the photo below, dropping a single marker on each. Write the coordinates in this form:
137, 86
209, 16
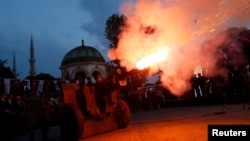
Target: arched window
96, 75
80, 76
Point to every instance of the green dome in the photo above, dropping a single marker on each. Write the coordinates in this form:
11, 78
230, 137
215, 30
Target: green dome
82, 54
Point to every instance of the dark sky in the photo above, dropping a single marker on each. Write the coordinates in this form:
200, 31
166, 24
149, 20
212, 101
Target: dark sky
57, 26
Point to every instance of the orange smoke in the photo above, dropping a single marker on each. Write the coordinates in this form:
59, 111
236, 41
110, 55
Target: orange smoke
166, 35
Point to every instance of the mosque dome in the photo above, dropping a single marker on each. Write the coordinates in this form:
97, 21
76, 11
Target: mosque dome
82, 54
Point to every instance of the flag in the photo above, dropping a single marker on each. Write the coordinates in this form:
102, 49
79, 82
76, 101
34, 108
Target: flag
56, 85
28, 83
40, 86
7, 85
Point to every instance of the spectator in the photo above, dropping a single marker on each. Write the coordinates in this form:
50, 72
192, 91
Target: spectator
19, 116
11, 113
246, 95
4, 131
38, 116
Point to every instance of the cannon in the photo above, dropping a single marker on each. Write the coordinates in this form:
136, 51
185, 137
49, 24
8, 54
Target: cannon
93, 108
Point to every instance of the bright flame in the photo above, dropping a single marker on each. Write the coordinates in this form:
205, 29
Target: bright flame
152, 59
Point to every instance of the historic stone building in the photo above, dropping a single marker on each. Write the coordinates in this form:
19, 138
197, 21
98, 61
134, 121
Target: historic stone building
83, 62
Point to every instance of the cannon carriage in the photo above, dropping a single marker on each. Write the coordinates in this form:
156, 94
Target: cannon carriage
93, 108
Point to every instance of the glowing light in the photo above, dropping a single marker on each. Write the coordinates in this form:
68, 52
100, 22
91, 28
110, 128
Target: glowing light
212, 30
152, 59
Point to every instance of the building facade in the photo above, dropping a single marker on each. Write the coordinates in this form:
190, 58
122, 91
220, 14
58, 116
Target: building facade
83, 62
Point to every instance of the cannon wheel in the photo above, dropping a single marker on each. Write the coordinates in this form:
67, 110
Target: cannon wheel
71, 127
122, 114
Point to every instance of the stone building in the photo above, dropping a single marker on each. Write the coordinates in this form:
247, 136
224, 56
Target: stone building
83, 62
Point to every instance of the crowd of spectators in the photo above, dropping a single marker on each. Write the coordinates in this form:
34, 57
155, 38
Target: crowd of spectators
232, 88
24, 114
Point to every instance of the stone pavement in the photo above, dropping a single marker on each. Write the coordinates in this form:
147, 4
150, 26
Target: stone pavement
166, 124
183, 112
176, 123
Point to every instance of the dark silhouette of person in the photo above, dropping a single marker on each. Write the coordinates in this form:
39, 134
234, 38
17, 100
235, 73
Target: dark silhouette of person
19, 117
200, 82
38, 117
5, 132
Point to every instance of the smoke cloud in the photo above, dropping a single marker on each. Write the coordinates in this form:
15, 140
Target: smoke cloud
184, 27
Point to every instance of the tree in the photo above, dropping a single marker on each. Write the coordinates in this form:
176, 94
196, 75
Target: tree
5, 72
113, 29
2, 63
45, 76
42, 76
244, 39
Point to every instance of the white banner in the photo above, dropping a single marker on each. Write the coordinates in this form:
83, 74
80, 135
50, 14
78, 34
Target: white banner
57, 87
28, 83
7, 85
40, 87
77, 82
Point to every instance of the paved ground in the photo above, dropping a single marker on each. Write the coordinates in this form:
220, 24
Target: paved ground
167, 124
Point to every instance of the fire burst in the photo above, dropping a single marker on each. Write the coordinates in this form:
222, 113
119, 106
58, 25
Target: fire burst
152, 59
183, 25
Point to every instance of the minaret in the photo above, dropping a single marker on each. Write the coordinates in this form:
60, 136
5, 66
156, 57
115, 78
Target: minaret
14, 66
83, 43
32, 58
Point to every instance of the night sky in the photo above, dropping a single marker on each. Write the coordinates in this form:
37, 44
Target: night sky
56, 26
